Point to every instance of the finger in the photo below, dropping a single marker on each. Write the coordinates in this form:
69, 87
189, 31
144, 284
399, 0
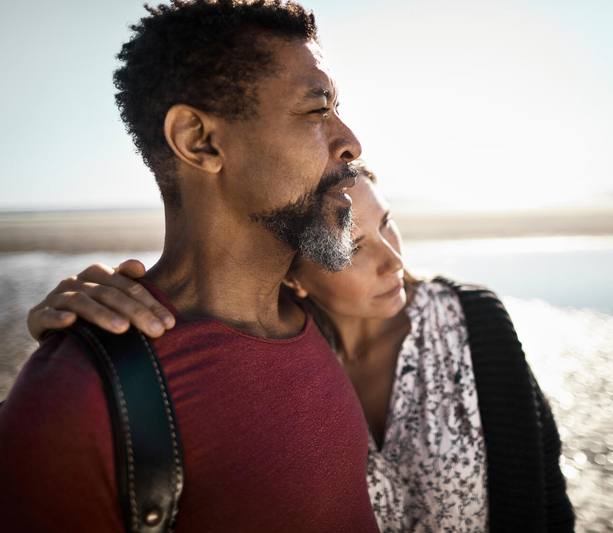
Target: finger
132, 268
39, 322
43, 316
109, 308
141, 295
86, 307
69, 284
141, 309
108, 277
43, 319
96, 273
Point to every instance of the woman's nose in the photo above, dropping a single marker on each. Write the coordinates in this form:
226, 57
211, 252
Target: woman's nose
391, 261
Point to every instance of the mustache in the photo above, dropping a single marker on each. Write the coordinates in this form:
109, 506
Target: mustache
335, 178
289, 215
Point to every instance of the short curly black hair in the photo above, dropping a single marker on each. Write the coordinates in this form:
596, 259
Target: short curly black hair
203, 53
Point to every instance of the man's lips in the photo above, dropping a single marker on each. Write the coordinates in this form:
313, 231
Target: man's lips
339, 192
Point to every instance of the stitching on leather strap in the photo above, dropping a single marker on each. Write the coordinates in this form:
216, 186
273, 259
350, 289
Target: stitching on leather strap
175, 446
126, 421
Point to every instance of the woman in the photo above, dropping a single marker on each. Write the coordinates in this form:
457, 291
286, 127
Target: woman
461, 437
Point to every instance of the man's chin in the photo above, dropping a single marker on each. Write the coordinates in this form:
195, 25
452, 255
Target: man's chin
328, 243
316, 229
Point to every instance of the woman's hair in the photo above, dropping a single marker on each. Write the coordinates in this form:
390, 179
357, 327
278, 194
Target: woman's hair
321, 318
361, 165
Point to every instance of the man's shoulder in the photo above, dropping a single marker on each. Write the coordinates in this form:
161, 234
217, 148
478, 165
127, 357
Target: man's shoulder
56, 451
59, 360
57, 384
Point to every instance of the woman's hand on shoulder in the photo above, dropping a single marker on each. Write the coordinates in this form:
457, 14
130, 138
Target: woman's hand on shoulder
105, 296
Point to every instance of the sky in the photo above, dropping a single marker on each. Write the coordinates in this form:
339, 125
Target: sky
459, 104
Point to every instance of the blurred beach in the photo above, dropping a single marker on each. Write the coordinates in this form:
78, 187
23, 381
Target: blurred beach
143, 229
553, 269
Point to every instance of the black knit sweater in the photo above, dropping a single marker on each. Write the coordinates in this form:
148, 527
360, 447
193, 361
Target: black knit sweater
527, 491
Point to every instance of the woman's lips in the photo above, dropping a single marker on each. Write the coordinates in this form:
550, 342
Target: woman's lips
392, 292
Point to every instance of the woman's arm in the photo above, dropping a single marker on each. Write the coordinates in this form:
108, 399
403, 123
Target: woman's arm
559, 510
106, 296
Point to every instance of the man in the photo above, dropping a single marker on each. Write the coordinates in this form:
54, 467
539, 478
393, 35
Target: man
234, 109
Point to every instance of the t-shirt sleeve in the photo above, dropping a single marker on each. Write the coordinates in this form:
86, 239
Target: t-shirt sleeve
56, 449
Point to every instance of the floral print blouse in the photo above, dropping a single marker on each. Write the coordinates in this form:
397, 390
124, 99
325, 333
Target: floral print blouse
430, 474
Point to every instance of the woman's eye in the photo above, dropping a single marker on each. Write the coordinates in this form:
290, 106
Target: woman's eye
355, 249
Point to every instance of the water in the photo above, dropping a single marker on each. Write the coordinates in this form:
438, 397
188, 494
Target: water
563, 271
558, 291
25, 278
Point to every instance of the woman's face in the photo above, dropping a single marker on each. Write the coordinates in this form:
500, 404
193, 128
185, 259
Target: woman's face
372, 287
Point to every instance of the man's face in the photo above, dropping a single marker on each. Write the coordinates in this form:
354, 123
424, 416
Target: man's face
290, 164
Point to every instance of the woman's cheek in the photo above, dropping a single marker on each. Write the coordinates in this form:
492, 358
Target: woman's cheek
354, 288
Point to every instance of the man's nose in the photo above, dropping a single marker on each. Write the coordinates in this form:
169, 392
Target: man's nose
344, 145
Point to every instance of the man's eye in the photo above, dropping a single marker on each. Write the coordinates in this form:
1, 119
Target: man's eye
355, 249
321, 111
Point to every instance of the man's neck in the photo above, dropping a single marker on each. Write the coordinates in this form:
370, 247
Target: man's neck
215, 268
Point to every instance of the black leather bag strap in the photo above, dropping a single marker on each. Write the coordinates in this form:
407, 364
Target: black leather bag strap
148, 454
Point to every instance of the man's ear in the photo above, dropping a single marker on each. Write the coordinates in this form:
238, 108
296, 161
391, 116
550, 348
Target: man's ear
291, 281
193, 136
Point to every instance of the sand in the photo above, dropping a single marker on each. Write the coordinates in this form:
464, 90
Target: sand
142, 229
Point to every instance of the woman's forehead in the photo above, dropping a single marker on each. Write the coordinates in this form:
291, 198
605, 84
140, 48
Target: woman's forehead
367, 199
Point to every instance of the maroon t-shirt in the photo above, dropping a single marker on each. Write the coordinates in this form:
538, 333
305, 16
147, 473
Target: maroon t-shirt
273, 435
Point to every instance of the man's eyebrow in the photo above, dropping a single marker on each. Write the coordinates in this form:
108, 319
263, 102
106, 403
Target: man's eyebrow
318, 92
356, 241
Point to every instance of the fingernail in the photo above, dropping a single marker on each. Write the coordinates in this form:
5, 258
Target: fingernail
167, 319
65, 314
155, 325
117, 322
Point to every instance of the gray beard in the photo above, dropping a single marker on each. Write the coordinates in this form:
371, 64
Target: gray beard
330, 248
314, 235
318, 231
